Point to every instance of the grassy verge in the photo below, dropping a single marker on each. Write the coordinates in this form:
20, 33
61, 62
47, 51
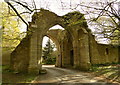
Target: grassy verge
111, 72
11, 77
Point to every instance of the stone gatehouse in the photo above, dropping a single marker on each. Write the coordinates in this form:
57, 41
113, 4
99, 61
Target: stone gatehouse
76, 45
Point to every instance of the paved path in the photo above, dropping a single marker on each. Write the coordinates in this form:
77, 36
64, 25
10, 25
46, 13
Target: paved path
63, 75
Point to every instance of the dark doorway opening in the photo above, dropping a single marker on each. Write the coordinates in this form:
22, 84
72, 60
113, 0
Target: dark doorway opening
71, 58
107, 51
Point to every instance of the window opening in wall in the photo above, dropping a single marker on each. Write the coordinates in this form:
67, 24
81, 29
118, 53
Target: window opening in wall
107, 51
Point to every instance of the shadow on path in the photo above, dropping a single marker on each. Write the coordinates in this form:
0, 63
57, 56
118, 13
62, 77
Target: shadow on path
64, 75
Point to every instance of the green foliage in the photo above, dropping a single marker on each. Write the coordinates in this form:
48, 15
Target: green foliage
5, 69
9, 76
9, 26
48, 57
115, 40
96, 67
110, 71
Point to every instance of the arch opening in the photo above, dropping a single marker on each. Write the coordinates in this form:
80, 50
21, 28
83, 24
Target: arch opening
64, 47
49, 51
67, 42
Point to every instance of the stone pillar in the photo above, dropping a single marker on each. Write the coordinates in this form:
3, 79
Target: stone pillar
58, 58
65, 54
62, 54
84, 52
76, 56
94, 53
57, 61
39, 49
33, 63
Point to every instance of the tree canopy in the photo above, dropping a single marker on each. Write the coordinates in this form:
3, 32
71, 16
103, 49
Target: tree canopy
11, 34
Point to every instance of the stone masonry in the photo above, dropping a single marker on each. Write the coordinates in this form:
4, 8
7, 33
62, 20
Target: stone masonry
76, 45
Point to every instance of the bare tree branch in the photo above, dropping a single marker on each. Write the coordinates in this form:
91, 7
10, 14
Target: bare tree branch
17, 13
23, 5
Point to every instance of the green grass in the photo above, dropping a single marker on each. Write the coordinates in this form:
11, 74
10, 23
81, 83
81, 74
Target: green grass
5, 69
11, 77
111, 71
18, 78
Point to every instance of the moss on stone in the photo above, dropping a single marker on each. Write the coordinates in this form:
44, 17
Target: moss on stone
75, 18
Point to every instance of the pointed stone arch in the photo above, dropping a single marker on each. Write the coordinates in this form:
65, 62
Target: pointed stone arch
69, 40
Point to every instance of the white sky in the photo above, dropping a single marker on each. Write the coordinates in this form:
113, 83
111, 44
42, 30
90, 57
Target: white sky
1, 0
56, 6
46, 38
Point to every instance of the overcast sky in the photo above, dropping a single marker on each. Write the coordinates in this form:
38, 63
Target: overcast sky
60, 7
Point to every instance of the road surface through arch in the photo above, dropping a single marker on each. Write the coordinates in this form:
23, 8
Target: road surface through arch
65, 75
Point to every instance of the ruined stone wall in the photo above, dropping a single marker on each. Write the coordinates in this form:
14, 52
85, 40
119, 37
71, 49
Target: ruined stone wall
6, 56
19, 60
119, 54
101, 53
65, 48
75, 40
83, 44
108, 54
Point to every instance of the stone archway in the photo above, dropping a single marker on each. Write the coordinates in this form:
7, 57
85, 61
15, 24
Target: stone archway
63, 41
54, 36
27, 55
